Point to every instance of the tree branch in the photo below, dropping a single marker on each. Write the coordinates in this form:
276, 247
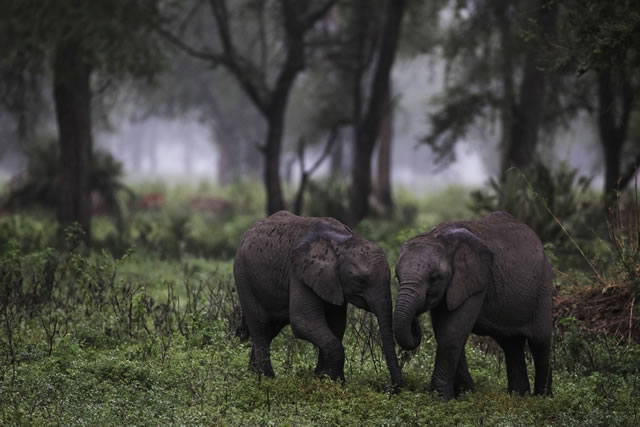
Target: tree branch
625, 179
313, 17
305, 174
331, 139
177, 42
240, 67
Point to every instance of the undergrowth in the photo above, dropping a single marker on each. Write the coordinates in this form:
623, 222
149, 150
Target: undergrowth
88, 339
152, 335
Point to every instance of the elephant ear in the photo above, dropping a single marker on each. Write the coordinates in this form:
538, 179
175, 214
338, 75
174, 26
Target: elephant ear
472, 263
315, 263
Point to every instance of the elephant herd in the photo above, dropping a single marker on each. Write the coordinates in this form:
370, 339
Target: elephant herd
490, 277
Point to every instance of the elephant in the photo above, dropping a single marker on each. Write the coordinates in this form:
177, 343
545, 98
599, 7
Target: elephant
490, 277
303, 271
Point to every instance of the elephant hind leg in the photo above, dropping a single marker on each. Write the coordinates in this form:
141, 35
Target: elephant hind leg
262, 333
513, 348
541, 351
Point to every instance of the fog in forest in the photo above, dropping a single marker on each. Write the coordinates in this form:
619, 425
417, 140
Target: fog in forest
183, 148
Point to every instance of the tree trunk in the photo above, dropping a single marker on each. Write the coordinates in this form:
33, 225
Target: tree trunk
383, 190
367, 129
612, 134
272, 149
336, 162
72, 98
523, 137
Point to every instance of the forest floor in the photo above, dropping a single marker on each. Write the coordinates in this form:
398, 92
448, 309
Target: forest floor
148, 336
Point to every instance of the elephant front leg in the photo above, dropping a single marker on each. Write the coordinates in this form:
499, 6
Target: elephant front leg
452, 328
331, 351
463, 382
337, 320
445, 369
309, 322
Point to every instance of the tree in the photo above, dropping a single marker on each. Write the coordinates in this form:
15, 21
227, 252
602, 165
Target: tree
72, 98
383, 188
521, 119
189, 87
369, 116
270, 96
101, 39
485, 54
601, 40
615, 104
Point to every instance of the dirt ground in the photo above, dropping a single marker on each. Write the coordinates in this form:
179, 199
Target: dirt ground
609, 309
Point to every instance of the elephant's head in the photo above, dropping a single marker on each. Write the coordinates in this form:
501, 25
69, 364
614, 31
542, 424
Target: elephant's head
342, 267
439, 267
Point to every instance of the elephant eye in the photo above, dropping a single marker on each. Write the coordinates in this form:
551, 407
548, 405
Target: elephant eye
360, 279
435, 277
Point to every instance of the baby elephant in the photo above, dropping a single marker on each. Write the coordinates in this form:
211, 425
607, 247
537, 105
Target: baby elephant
303, 271
490, 277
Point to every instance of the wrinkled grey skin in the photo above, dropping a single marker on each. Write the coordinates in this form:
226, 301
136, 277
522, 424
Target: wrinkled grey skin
490, 277
303, 271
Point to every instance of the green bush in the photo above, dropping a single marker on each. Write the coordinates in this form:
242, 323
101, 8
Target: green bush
33, 232
39, 188
138, 340
88, 338
537, 195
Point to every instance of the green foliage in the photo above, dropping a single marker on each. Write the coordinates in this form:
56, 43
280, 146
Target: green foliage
413, 216
38, 188
137, 339
115, 38
537, 195
179, 226
328, 197
599, 34
33, 233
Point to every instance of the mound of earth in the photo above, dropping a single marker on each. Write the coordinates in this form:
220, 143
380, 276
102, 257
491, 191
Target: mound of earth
609, 309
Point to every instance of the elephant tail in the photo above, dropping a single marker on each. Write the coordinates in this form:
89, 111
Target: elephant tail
238, 324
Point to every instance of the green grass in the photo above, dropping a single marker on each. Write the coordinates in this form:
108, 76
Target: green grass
148, 338
103, 371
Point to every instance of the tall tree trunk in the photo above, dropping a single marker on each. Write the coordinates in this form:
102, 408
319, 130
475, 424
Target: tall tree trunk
272, 149
368, 128
336, 163
271, 103
612, 133
508, 102
383, 190
523, 137
72, 98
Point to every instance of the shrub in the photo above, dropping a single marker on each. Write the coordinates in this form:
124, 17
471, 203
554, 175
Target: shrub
536, 195
38, 188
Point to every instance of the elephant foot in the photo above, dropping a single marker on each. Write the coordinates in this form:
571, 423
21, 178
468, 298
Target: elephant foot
463, 384
261, 365
463, 388
445, 391
266, 371
334, 374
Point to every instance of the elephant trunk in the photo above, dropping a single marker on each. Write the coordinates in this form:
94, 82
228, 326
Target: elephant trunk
384, 316
406, 327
